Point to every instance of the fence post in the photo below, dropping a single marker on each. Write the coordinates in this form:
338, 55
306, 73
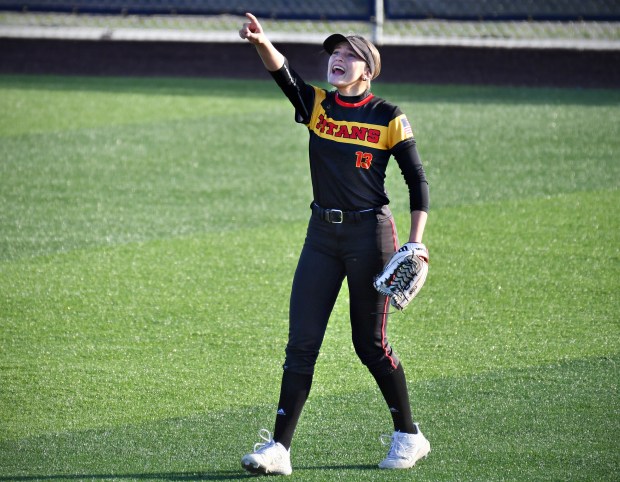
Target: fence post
377, 21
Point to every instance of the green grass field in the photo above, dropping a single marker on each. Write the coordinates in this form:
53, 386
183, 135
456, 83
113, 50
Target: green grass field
149, 230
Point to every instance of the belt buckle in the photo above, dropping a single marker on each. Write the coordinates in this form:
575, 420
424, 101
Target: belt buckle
337, 219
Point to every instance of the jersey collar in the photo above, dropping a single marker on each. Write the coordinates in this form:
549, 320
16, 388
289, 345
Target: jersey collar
358, 103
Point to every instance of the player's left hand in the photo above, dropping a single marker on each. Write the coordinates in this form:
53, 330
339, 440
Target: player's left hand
404, 275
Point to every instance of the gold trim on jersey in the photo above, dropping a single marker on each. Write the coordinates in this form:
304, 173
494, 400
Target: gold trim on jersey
358, 133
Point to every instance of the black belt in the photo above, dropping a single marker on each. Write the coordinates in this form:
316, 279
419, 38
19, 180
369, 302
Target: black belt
337, 216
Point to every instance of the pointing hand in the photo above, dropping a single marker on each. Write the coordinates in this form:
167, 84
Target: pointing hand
252, 30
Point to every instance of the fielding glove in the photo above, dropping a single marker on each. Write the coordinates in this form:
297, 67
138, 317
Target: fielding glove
404, 275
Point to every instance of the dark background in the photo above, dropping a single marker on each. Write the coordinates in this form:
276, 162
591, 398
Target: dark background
417, 64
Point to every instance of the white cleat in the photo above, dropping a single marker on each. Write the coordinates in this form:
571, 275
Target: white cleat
405, 450
269, 457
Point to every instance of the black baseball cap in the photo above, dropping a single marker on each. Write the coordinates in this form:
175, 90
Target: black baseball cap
362, 47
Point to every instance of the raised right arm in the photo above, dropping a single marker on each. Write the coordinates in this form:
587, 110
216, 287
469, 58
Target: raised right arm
298, 92
253, 32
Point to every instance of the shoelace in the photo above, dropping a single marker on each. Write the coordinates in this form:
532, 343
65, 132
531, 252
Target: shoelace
265, 435
396, 448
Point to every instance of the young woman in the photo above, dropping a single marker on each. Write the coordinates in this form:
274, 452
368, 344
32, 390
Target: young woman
351, 234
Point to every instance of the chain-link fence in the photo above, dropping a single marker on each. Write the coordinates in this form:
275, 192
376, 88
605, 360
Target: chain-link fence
342, 9
575, 24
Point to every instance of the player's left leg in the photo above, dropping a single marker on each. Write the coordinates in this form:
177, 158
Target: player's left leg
369, 331
407, 443
369, 316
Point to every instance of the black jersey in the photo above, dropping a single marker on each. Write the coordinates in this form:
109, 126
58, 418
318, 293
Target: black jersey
351, 142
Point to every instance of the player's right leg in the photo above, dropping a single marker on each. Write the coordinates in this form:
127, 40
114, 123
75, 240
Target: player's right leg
316, 285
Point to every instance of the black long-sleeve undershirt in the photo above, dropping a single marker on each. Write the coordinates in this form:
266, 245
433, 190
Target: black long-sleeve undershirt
301, 96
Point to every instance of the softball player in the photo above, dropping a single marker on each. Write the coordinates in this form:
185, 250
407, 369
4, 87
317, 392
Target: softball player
351, 235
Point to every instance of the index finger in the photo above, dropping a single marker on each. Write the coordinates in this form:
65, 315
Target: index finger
251, 17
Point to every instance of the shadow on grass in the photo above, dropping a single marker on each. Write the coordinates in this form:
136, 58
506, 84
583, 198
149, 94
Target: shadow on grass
179, 476
223, 475
336, 467
491, 405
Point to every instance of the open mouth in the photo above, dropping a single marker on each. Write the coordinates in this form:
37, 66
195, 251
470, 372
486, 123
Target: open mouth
338, 70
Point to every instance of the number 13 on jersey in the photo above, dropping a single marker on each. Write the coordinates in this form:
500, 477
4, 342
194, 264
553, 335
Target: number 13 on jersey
363, 159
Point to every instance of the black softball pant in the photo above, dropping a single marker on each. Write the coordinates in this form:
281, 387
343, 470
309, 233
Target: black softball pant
357, 251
